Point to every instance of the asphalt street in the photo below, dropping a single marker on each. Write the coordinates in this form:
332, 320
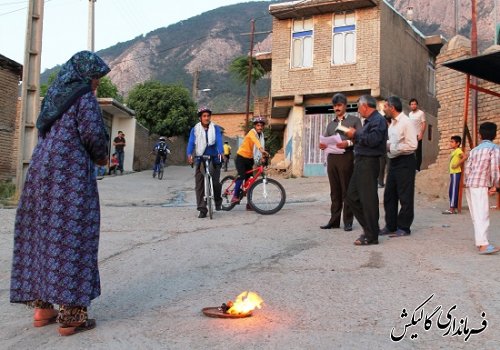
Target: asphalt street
160, 265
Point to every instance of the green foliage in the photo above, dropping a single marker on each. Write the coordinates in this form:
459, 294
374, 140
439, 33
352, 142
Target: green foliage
7, 191
273, 138
239, 70
108, 89
164, 109
50, 80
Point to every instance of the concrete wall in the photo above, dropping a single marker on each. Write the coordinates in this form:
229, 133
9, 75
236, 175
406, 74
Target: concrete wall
128, 126
404, 59
9, 80
323, 77
451, 94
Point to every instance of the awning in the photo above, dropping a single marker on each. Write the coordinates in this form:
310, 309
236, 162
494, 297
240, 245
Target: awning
485, 66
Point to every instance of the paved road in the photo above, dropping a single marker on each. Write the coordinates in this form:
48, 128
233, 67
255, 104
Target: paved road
160, 265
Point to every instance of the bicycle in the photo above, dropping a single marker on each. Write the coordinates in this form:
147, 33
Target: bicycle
159, 169
266, 196
209, 186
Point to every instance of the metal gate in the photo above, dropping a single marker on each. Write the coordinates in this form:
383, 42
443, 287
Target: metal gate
314, 158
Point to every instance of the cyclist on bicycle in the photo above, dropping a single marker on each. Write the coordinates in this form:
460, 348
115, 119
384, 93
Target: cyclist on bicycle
206, 139
161, 149
250, 151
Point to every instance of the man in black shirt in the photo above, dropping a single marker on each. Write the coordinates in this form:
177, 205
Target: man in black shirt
369, 145
119, 144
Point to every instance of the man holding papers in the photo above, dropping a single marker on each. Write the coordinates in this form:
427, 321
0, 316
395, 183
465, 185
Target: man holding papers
340, 161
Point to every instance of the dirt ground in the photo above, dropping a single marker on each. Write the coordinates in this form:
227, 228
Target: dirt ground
160, 265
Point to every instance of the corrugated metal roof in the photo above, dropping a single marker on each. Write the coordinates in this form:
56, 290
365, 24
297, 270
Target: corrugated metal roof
486, 66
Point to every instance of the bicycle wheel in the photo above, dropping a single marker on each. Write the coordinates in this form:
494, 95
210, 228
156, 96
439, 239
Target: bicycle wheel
227, 186
266, 196
160, 171
209, 196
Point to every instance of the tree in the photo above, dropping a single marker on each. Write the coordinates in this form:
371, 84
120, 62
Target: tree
50, 80
108, 89
239, 70
167, 110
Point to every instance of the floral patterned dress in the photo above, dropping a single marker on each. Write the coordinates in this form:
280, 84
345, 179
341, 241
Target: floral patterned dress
56, 235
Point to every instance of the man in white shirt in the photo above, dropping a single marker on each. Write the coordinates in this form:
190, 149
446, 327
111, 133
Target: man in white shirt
400, 183
417, 117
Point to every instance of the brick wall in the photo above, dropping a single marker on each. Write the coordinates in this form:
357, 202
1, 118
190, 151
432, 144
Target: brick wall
233, 123
450, 86
322, 77
9, 80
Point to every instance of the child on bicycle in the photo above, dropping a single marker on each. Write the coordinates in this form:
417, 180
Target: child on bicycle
161, 149
251, 150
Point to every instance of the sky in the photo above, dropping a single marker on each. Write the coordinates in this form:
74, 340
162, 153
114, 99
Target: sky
65, 24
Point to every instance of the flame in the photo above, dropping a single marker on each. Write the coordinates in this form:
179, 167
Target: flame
245, 303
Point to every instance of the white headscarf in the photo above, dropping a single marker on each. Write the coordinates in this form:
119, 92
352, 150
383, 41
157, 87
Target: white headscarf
257, 155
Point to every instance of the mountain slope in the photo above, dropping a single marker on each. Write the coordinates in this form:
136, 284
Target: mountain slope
206, 43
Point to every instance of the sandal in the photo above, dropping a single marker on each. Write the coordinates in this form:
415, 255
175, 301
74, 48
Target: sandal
363, 241
70, 329
448, 212
43, 317
490, 249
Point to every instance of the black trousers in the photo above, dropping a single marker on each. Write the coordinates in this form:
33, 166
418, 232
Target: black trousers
400, 189
339, 169
199, 178
362, 195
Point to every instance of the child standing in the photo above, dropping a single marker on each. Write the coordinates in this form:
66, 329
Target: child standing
457, 158
482, 176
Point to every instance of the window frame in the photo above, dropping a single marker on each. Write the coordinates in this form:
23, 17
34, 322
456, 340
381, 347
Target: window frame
344, 30
301, 35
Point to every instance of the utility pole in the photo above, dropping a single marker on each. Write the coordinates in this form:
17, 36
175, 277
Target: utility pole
250, 65
196, 77
30, 94
473, 38
91, 26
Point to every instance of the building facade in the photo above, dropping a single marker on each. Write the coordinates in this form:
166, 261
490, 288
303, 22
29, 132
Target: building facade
352, 46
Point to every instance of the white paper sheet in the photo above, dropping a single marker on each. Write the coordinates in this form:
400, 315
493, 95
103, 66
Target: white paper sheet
331, 144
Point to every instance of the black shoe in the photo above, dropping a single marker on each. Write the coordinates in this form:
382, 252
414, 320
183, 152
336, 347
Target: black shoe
329, 226
218, 207
202, 215
347, 227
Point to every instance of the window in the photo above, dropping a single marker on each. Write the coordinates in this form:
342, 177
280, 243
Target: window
344, 38
431, 77
429, 132
302, 43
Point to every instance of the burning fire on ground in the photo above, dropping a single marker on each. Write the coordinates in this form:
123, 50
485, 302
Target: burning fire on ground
244, 304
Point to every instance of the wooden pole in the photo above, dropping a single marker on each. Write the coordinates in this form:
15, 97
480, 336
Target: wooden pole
464, 135
249, 80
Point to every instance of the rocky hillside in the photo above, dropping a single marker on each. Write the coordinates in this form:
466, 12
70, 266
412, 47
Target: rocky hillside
450, 17
209, 42
206, 43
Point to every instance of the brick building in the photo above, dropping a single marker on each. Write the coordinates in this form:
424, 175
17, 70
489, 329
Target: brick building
352, 46
451, 94
10, 75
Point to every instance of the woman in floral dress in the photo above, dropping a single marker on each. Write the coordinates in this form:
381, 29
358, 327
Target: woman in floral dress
57, 223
